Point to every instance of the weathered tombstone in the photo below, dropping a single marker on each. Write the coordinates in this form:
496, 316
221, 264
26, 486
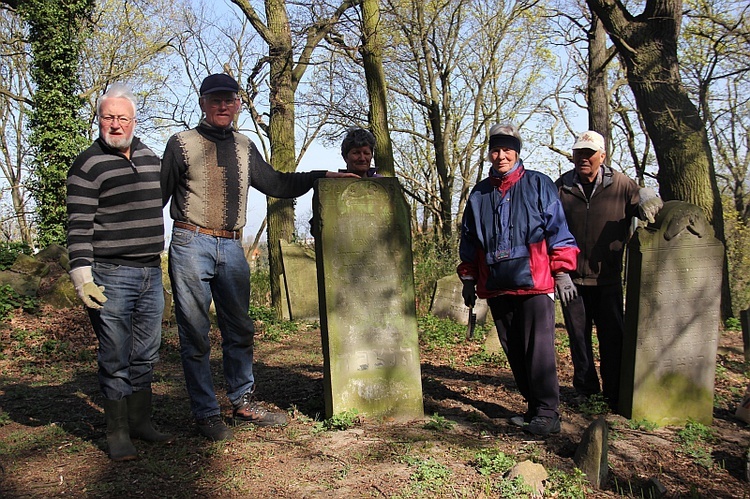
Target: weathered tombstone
366, 293
492, 341
300, 279
591, 454
672, 318
285, 314
745, 322
448, 302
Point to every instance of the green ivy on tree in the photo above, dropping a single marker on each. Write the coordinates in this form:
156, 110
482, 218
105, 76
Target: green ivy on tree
58, 133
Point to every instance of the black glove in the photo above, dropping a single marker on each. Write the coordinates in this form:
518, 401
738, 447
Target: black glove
565, 288
469, 293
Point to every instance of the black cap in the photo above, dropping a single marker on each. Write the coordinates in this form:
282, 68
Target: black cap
219, 83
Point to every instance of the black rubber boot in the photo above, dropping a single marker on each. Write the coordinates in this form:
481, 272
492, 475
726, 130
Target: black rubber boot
118, 437
139, 418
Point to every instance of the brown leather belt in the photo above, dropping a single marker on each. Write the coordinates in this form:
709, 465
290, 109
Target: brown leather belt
228, 234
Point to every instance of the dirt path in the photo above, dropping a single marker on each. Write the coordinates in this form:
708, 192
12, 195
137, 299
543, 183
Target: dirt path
52, 430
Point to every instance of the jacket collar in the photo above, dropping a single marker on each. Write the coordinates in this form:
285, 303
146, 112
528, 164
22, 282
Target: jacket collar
212, 132
604, 179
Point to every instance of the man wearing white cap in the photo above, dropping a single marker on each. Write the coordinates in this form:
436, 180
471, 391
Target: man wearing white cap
599, 204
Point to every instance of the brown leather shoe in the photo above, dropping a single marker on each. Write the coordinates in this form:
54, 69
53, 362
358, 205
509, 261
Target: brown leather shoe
250, 411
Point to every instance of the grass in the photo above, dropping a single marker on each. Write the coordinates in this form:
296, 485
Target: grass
428, 474
696, 441
439, 423
492, 462
339, 422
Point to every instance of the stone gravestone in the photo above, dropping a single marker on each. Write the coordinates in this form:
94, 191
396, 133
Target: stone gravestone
300, 279
448, 303
745, 323
366, 293
672, 318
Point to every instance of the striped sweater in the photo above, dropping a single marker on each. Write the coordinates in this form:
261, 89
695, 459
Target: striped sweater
114, 207
207, 172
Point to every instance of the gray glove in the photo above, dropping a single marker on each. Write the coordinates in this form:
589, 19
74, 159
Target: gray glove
565, 289
469, 293
650, 204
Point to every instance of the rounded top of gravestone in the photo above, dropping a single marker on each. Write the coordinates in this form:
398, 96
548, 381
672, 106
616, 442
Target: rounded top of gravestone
677, 217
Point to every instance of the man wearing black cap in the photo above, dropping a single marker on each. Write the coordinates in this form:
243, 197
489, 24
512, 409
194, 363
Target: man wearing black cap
515, 245
207, 172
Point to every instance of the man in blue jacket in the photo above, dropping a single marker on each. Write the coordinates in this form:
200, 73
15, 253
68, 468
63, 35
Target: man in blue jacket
515, 248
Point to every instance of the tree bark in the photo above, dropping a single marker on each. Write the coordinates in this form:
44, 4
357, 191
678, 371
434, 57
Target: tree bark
597, 91
647, 44
372, 59
284, 77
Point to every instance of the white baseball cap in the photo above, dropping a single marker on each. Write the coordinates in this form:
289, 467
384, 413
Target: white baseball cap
590, 140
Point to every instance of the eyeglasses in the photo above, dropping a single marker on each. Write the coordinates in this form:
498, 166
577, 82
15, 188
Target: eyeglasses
217, 102
123, 120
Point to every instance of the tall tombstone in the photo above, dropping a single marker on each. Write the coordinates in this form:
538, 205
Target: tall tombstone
368, 315
745, 323
448, 302
672, 318
300, 279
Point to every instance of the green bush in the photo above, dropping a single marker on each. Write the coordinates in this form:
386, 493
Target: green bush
10, 300
9, 251
439, 333
260, 287
430, 264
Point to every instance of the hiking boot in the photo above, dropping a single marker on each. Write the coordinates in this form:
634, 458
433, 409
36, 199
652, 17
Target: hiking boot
213, 428
543, 425
520, 421
250, 411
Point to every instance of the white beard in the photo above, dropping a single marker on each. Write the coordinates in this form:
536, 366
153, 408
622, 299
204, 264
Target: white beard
118, 142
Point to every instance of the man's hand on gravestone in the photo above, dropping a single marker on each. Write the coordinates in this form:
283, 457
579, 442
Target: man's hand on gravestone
469, 293
341, 175
650, 204
565, 288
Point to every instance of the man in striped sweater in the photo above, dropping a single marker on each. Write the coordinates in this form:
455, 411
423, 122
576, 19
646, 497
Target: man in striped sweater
115, 237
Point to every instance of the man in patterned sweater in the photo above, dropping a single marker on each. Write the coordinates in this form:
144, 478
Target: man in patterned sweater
207, 172
115, 237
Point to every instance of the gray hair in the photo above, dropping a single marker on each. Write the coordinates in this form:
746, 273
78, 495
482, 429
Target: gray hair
116, 91
357, 137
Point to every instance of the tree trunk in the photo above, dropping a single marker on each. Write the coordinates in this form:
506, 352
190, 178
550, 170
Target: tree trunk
283, 80
372, 58
281, 131
597, 91
648, 45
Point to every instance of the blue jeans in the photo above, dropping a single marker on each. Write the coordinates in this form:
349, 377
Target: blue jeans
128, 327
203, 267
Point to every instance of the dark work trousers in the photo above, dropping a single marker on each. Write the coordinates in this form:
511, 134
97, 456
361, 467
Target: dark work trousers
600, 306
526, 327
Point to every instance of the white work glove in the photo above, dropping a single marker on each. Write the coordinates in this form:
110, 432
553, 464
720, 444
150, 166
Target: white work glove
90, 294
469, 293
565, 288
650, 204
